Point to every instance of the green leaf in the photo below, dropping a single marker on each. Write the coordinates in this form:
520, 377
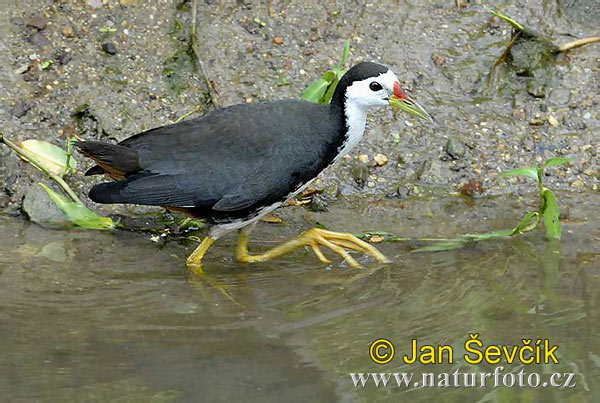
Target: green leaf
79, 214
528, 223
46, 64
317, 89
326, 98
489, 235
530, 172
552, 162
51, 157
551, 214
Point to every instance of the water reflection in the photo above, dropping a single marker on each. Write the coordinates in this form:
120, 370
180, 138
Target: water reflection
94, 315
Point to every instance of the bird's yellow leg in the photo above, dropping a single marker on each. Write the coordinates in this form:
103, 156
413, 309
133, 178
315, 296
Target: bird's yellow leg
194, 261
315, 237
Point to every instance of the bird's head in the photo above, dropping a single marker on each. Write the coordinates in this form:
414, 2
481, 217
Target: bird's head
368, 85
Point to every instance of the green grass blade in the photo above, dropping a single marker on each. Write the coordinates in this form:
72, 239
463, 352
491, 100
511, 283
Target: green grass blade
79, 214
552, 162
506, 18
530, 172
345, 54
489, 235
444, 245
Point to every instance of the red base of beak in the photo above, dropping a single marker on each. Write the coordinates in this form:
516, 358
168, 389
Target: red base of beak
399, 92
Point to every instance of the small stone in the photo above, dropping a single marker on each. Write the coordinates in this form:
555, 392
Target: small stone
380, 159
272, 218
553, 121
33, 73
21, 109
364, 158
537, 90
109, 48
39, 22
360, 173
40, 40
68, 32
587, 115
318, 203
40, 209
433, 172
439, 61
278, 40
454, 148
127, 2
402, 192
94, 3
578, 184
64, 58
536, 122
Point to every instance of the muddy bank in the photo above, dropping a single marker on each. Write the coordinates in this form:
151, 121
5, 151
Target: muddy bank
109, 69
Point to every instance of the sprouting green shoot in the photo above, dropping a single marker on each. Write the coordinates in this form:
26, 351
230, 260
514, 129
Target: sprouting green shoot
506, 18
321, 90
548, 212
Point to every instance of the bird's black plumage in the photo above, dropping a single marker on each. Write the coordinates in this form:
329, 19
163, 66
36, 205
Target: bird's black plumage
230, 163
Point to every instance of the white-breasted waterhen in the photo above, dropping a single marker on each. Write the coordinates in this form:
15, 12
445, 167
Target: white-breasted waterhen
234, 165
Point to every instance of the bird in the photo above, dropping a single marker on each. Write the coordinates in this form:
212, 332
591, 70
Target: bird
234, 165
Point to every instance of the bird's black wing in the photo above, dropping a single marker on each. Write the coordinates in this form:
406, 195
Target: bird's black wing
231, 161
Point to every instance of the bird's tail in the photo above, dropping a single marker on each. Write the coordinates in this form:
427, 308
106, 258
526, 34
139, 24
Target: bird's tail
115, 160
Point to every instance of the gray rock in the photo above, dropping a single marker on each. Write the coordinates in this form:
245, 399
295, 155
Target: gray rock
21, 109
433, 172
40, 209
318, 204
109, 48
40, 40
360, 173
455, 148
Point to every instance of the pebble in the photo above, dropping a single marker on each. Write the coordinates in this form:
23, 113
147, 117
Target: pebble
40, 40
39, 22
553, 121
40, 209
381, 159
587, 115
68, 32
278, 40
578, 184
21, 109
360, 173
94, 3
109, 48
454, 148
318, 204
364, 158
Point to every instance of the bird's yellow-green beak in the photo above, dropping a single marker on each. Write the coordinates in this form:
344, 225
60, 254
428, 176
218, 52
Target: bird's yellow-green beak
402, 101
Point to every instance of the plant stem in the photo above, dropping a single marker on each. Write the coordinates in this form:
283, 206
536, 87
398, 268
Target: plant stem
194, 44
578, 43
29, 157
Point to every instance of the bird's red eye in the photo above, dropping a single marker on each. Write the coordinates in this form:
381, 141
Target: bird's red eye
375, 86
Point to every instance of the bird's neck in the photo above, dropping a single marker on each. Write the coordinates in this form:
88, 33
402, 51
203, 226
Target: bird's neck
355, 119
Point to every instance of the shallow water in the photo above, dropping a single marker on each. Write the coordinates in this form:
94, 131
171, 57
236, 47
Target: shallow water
98, 316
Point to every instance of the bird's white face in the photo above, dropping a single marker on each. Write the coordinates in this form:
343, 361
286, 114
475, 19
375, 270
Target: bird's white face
373, 91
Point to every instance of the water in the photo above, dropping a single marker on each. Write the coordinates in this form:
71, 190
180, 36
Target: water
99, 316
